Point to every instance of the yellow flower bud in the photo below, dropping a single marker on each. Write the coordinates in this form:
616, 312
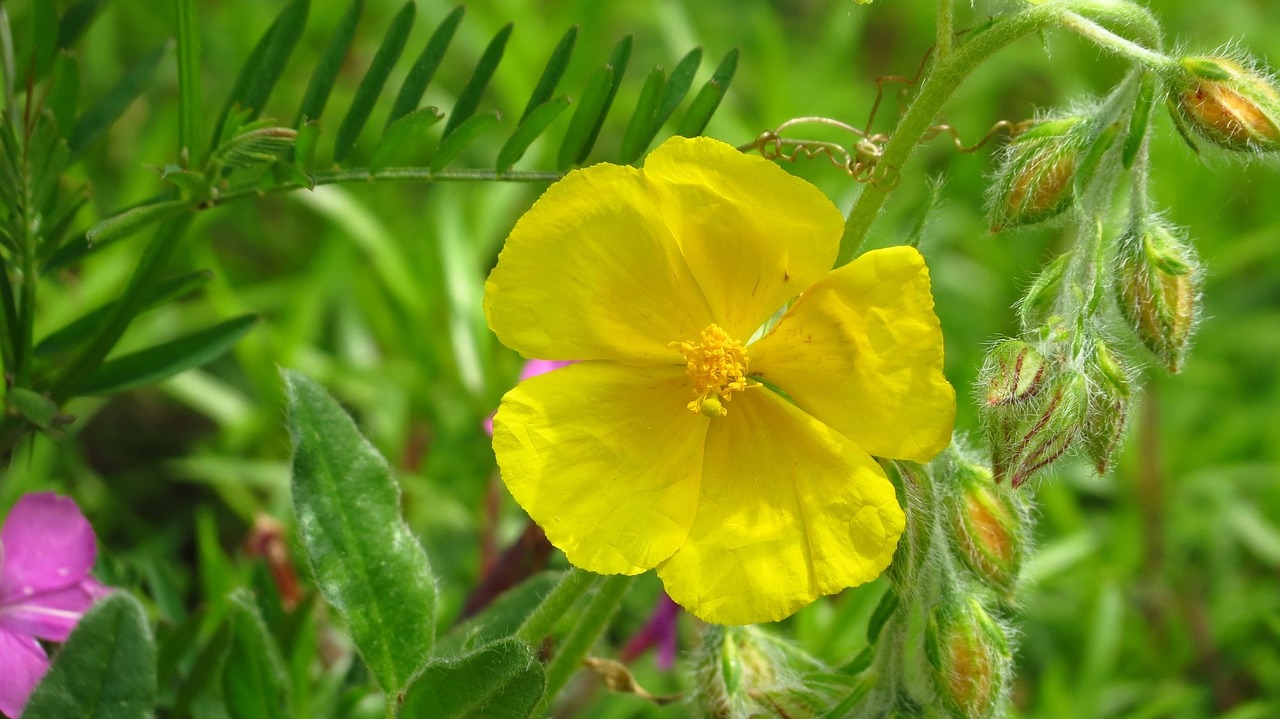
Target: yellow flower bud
1226, 103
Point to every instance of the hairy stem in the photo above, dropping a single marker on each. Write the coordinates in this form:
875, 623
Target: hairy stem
946, 30
1082, 16
539, 624
591, 624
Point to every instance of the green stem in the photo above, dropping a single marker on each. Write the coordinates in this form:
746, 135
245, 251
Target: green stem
153, 261
946, 30
538, 625
1108, 40
391, 174
592, 623
188, 81
947, 77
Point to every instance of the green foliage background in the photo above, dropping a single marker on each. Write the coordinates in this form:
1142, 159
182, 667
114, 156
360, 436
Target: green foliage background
1154, 593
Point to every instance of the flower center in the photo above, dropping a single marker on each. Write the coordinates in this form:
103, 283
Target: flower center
718, 367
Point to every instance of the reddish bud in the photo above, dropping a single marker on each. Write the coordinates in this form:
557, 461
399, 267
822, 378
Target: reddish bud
970, 656
988, 528
1036, 180
1158, 290
1226, 103
1014, 371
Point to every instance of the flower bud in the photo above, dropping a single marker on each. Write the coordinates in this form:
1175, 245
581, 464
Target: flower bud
746, 671
1226, 103
1028, 436
1013, 371
1108, 408
1158, 289
970, 656
1036, 180
988, 527
1037, 305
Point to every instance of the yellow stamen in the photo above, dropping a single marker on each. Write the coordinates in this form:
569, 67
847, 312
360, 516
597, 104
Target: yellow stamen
718, 367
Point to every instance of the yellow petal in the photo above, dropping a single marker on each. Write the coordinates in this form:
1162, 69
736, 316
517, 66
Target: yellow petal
607, 459
861, 351
591, 271
789, 510
753, 234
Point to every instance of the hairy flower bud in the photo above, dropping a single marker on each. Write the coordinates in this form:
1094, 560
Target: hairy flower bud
1226, 103
970, 655
746, 671
1028, 436
1037, 305
1036, 179
1013, 371
1157, 286
1108, 408
988, 528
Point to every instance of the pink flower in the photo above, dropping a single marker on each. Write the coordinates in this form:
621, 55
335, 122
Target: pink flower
46, 551
532, 368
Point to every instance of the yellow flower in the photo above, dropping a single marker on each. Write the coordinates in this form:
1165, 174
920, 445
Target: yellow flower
740, 467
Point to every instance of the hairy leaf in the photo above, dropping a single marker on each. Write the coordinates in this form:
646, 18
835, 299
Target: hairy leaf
368, 565
502, 680
106, 670
254, 683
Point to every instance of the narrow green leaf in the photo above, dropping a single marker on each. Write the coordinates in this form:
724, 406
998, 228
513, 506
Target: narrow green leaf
176, 644
160, 293
424, 68
880, 615
60, 222
1139, 120
530, 128
374, 80
679, 84
709, 97
75, 21
64, 90
304, 148
584, 117
188, 80
167, 359
326, 72
644, 121
551, 74
44, 32
254, 683
502, 680
469, 98
618, 61
204, 670
100, 116
37, 408
368, 565
118, 227
259, 74
405, 140
106, 670
452, 145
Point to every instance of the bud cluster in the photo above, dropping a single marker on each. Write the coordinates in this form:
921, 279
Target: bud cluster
1225, 102
746, 671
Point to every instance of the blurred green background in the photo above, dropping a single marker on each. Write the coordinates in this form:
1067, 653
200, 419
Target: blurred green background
1156, 589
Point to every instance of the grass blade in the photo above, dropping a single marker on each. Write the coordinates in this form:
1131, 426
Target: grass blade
188, 81
326, 72
254, 682
164, 360
551, 74
374, 80
452, 145
158, 294
530, 128
644, 121
259, 74
679, 84
102, 114
424, 68
709, 97
469, 98
398, 144
44, 31
75, 21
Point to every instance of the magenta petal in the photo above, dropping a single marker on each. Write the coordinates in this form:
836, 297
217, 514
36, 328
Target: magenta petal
22, 666
50, 615
48, 545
